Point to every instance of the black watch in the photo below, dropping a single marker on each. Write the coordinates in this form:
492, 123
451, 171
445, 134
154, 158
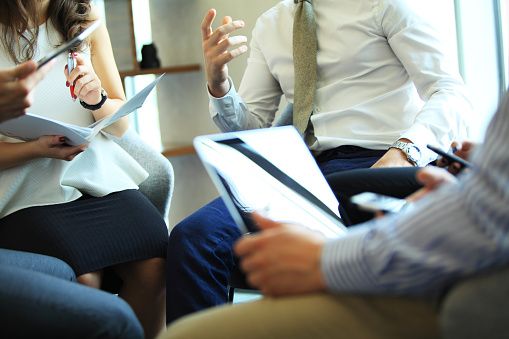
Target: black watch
104, 97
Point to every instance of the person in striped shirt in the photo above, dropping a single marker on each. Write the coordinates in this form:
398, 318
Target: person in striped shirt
383, 278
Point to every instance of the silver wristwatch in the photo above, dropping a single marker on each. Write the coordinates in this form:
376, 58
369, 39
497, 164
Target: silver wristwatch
413, 153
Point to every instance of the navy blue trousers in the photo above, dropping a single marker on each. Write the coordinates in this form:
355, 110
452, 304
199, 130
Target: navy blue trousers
200, 257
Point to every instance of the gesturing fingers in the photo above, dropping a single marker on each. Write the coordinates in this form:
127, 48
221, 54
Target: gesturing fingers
221, 55
222, 31
206, 25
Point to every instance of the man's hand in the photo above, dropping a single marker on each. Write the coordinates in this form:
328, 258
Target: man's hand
219, 49
463, 150
282, 259
393, 158
16, 85
432, 178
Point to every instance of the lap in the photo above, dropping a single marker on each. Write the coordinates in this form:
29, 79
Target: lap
37, 263
212, 222
314, 316
91, 233
55, 308
396, 182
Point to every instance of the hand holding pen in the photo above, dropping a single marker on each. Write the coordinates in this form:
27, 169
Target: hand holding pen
84, 84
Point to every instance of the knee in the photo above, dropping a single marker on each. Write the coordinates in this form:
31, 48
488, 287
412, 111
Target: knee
119, 321
150, 273
90, 279
185, 233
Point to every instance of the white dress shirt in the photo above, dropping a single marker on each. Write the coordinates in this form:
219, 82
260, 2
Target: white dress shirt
382, 76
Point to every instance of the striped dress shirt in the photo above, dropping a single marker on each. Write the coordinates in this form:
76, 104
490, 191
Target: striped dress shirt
459, 230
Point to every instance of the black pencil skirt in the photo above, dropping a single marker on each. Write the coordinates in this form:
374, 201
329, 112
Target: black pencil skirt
90, 234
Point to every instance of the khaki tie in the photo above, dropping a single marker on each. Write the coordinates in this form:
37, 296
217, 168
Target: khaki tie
305, 46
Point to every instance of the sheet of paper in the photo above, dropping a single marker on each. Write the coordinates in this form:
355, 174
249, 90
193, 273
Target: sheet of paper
32, 126
133, 104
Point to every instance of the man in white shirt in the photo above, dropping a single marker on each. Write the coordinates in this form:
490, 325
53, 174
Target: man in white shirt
385, 89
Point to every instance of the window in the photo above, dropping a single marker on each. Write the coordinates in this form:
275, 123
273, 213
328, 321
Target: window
479, 59
146, 119
503, 10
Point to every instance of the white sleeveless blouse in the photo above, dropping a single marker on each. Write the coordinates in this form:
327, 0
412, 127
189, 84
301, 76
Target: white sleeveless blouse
102, 169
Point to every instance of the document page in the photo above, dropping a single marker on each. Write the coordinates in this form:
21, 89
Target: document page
32, 126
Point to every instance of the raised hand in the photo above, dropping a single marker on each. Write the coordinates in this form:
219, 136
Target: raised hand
219, 49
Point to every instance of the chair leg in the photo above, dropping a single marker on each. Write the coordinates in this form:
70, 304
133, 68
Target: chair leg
231, 294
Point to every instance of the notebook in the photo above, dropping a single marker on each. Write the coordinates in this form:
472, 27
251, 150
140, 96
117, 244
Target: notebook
272, 172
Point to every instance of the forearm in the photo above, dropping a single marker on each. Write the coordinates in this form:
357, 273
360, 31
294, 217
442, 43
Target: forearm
16, 154
443, 119
416, 254
414, 36
110, 107
230, 112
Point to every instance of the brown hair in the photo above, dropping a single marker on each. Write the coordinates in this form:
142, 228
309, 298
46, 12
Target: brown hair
19, 39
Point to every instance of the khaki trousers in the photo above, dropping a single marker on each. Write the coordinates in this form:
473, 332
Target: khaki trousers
314, 316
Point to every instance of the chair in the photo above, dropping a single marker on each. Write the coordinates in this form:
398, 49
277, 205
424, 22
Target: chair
477, 307
158, 187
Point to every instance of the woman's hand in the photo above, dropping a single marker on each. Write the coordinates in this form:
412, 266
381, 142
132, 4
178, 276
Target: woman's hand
16, 85
55, 147
87, 85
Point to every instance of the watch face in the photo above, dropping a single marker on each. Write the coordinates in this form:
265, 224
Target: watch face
414, 153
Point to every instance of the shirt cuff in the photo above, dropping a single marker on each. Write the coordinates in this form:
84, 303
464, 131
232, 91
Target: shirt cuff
342, 264
421, 136
225, 105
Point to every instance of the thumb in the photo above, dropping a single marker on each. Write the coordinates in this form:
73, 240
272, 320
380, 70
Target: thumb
431, 177
24, 70
264, 223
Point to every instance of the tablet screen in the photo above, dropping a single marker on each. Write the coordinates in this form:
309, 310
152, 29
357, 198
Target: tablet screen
247, 185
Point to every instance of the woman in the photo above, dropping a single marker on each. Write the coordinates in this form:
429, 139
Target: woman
79, 204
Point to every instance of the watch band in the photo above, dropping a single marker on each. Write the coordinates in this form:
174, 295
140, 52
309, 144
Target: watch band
406, 148
97, 106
